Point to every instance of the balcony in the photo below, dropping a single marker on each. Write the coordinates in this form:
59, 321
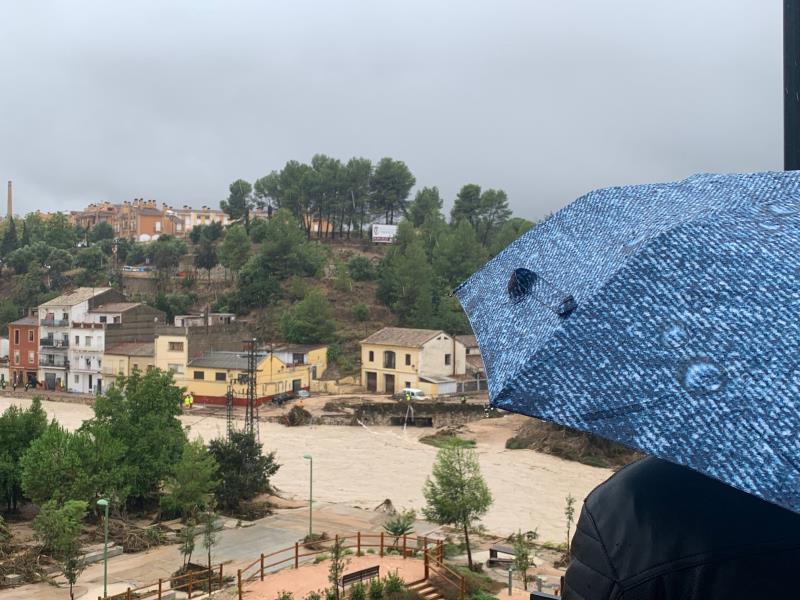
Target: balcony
43, 362
50, 343
54, 322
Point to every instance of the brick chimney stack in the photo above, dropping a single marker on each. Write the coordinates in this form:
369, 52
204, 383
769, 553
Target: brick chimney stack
10, 207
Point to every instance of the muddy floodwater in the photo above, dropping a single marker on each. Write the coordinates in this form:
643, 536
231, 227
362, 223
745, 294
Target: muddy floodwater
363, 466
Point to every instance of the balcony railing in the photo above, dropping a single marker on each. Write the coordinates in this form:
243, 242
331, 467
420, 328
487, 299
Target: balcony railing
43, 362
55, 344
54, 322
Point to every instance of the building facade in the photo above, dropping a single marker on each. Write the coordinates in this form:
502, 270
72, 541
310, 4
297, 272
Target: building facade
23, 350
395, 358
125, 358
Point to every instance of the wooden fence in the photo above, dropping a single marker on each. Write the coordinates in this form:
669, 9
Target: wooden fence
431, 551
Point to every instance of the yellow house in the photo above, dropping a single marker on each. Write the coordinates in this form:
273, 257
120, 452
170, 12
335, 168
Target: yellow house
314, 355
171, 352
207, 377
395, 358
127, 357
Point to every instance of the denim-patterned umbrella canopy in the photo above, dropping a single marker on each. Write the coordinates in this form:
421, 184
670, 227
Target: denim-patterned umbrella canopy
665, 317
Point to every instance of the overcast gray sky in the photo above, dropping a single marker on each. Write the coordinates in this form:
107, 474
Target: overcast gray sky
547, 99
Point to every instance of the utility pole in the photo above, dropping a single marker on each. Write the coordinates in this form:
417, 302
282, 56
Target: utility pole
791, 85
251, 410
229, 409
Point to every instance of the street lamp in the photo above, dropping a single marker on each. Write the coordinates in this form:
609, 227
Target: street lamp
102, 502
310, 460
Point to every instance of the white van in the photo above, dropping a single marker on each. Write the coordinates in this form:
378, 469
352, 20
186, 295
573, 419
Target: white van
411, 394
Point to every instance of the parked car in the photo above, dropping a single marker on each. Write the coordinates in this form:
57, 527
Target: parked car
411, 394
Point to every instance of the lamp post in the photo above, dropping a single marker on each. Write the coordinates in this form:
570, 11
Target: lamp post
104, 504
310, 460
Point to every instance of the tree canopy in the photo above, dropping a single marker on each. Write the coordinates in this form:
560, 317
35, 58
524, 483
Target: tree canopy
244, 471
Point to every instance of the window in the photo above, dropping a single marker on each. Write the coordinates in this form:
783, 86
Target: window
371, 356
199, 375
88, 340
77, 340
16, 337
447, 359
31, 357
135, 366
408, 384
16, 357
467, 351
77, 379
219, 376
88, 363
242, 378
65, 317
388, 359
175, 368
30, 335
298, 358
176, 346
158, 226
408, 362
103, 319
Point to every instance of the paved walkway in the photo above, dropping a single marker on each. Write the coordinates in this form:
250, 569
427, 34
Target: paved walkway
237, 546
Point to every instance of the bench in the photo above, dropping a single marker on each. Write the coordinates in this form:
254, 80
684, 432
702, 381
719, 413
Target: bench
497, 561
360, 576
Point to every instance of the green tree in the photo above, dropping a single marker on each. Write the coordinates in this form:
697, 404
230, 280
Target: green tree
427, 205
522, 557
91, 259
244, 471
391, 183
18, 430
141, 411
26, 236
101, 231
361, 268
239, 202
507, 233
59, 261
569, 513
206, 257
9, 243
309, 321
207, 522
186, 542
494, 211
59, 530
166, 253
458, 255
256, 286
59, 232
194, 479
357, 178
456, 493
337, 566
174, 304
467, 206
235, 248
285, 252
361, 314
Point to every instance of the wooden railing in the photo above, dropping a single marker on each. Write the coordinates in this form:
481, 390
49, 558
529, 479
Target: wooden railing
431, 551
192, 582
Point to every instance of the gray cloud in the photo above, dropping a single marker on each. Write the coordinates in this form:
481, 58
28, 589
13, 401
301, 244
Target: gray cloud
546, 99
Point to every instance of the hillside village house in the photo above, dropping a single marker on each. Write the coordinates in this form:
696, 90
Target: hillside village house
74, 329
395, 358
206, 359
23, 350
126, 357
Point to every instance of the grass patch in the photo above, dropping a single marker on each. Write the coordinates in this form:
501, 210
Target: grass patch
440, 439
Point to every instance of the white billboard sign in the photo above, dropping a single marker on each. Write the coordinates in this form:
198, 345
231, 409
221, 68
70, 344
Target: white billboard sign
383, 234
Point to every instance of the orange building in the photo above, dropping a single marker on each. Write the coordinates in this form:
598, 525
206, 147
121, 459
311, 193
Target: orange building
23, 350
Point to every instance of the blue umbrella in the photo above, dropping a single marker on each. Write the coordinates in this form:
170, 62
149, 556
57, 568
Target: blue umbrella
665, 317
